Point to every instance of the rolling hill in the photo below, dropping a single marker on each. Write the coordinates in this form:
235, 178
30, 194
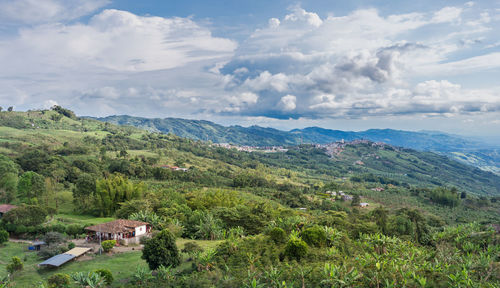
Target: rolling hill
469, 151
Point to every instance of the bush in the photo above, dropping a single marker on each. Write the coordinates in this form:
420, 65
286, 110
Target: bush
314, 236
15, 265
296, 249
59, 280
191, 248
74, 230
106, 275
4, 236
108, 245
71, 245
53, 238
161, 250
48, 252
278, 235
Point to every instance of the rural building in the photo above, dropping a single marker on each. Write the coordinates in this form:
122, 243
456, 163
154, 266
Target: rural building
60, 259
363, 204
37, 245
128, 230
4, 208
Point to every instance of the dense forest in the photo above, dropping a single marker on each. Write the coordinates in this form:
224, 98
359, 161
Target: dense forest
369, 216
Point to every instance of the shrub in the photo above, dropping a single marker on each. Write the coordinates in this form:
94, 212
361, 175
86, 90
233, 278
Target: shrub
59, 280
191, 248
108, 245
161, 250
53, 238
296, 249
15, 265
74, 230
48, 252
4, 236
278, 235
71, 245
314, 236
106, 275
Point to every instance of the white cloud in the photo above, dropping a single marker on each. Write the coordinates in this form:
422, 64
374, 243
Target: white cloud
362, 64
447, 14
288, 103
42, 11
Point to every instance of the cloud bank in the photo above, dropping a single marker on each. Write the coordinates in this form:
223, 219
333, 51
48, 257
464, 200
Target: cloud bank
295, 66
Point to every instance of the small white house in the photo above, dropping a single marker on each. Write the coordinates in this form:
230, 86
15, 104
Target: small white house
363, 204
121, 229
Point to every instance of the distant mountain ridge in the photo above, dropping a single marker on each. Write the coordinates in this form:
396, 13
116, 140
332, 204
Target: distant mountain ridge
457, 147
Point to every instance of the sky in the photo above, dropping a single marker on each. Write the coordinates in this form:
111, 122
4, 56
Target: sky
348, 65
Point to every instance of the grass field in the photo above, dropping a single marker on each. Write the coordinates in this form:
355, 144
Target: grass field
122, 265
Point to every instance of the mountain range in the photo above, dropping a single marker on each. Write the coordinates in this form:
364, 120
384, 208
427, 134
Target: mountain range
464, 149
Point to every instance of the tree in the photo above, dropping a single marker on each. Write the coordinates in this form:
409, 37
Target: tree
108, 245
355, 200
380, 215
53, 238
31, 185
15, 265
84, 191
1, 108
115, 190
10, 109
26, 215
314, 236
4, 236
296, 249
8, 179
161, 250
463, 195
59, 280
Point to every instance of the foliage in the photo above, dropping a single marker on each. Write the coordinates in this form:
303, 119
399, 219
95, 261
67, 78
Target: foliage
88, 280
15, 265
150, 217
114, 190
191, 248
106, 275
27, 215
296, 249
59, 280
4, 236
314, 236
53, 238
161, 250
108, 245
278, 235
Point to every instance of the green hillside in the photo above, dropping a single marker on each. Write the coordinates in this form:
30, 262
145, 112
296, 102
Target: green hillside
252, 217
465, 150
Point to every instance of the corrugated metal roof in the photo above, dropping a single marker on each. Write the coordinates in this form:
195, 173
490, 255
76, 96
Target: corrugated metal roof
57, 260
78, 251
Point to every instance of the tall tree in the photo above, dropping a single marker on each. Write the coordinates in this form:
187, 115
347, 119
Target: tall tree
31, 187
114, 190
161, 250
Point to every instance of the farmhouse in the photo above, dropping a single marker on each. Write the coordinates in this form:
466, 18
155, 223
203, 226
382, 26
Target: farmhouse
4, 208
128, 230
363, 204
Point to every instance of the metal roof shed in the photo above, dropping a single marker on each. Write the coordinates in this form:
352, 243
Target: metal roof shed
57, 260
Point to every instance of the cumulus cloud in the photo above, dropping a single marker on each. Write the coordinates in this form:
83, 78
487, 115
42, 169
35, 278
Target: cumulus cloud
299, 66
42, 11
287, 103
361, 64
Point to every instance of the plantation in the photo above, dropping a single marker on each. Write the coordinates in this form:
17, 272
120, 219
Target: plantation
240, 219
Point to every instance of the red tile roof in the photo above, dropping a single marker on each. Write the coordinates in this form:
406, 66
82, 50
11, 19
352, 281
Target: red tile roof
4, 208
117, 226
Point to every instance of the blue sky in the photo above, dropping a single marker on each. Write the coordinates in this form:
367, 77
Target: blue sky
349, 65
